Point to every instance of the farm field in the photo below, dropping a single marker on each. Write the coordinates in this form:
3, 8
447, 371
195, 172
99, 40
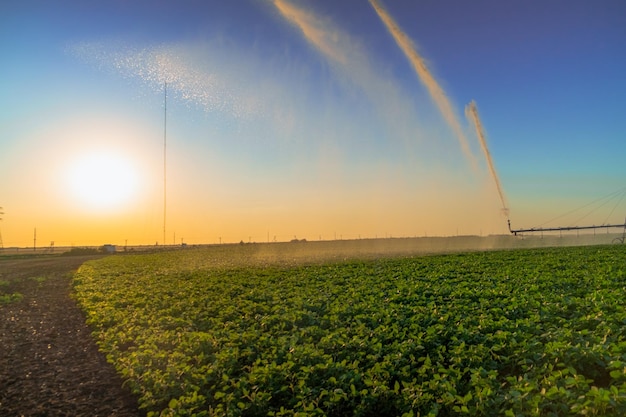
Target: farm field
49, 363
241, 331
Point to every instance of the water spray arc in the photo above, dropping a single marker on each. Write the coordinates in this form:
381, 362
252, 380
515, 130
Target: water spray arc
338, 52
434, 89
313, 30
471, 112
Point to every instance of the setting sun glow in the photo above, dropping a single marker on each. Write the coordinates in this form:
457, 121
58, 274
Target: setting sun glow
102, 180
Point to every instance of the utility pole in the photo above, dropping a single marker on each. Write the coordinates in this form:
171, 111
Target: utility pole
35, 240
1, 214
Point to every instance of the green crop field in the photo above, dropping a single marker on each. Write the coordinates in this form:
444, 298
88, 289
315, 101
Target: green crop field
232, 331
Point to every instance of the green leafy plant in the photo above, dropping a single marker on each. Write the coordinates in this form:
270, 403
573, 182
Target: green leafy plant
10, 298
226, 332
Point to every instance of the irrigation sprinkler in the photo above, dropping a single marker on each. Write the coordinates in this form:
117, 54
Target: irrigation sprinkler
619, 195
565, 228
621, 239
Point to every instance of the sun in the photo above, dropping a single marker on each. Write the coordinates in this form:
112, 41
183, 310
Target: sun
102, 180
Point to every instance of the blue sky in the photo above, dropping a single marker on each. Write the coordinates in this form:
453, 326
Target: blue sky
270, 135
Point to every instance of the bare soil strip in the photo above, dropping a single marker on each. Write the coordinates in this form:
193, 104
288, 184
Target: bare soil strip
49, 363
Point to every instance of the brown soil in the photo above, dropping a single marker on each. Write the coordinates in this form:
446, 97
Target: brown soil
49, 363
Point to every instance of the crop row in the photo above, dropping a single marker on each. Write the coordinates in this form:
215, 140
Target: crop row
525, 332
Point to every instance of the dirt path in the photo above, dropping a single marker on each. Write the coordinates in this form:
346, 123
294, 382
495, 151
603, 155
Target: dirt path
49, 364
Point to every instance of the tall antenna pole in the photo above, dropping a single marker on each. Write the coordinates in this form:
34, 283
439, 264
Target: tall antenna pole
164, 158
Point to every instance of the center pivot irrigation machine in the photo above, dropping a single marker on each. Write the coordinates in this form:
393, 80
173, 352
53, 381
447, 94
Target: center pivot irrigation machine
620, 239
565, 228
